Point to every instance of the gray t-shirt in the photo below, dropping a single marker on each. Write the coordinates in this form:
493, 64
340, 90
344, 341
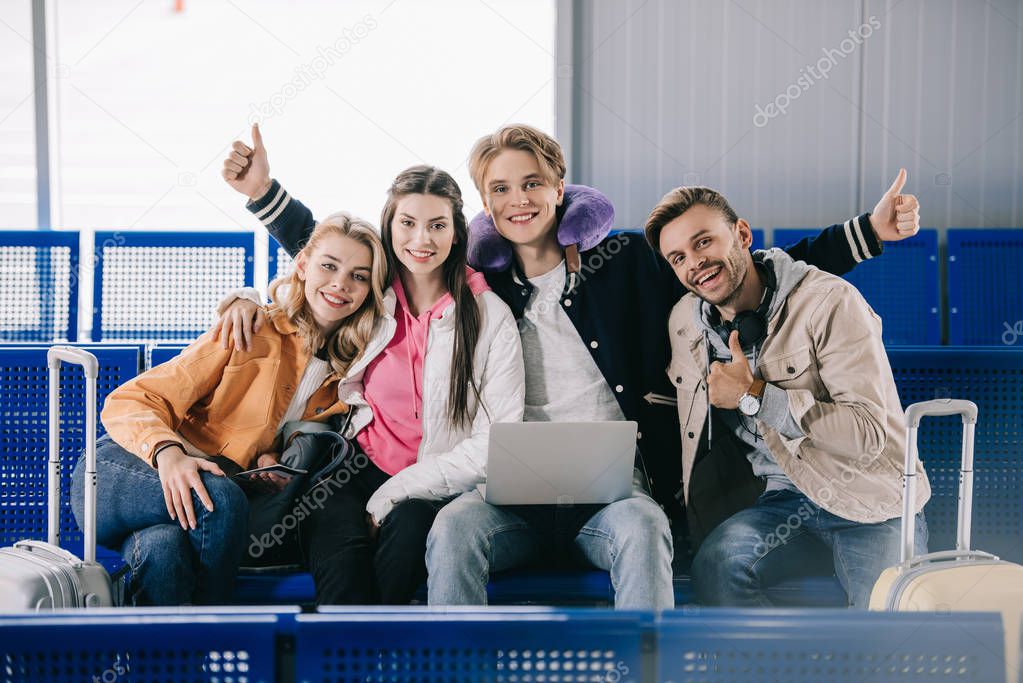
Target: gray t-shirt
563, 382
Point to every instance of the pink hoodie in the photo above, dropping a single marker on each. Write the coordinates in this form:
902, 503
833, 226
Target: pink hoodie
393, 382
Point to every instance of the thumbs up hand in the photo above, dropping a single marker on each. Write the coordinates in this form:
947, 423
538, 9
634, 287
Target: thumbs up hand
896, 216
247, 169
727, 382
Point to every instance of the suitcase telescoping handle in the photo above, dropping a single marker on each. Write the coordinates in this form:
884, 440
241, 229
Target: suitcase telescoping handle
938, 407
54, 357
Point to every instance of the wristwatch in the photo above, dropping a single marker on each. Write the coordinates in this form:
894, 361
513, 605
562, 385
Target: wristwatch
749, 403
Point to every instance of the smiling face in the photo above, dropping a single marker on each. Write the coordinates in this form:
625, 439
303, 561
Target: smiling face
422, 232
336, 275
520, 198
709, 255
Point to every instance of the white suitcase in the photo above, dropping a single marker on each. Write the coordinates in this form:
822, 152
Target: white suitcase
35, 575
960, 580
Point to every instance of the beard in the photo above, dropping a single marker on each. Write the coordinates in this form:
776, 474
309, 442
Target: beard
733, 269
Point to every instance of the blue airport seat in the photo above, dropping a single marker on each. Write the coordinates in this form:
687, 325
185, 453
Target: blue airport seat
809, 591
993, 379
146, 646
902, 285
164, 286
24, 415
279, 262
39, 278
161, 353
530, 587
264, 587
838, 646
802, 591
584, 587
551, 587
985, 286
534, 587
470, 645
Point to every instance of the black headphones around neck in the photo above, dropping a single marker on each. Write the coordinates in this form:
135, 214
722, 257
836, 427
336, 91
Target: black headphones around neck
752, 325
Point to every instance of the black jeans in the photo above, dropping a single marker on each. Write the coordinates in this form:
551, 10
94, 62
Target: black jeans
348, 566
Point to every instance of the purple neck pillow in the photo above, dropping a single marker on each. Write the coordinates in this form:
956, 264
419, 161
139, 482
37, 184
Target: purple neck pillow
584, 219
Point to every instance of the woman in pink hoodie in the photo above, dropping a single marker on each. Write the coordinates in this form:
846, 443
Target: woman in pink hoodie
444, 364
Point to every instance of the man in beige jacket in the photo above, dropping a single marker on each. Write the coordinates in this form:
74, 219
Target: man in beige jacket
788, 408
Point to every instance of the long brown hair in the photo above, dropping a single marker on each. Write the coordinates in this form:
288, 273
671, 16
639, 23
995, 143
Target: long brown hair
349, 341
430, 180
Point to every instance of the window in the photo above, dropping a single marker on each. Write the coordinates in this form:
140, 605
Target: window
17, 117
348, 94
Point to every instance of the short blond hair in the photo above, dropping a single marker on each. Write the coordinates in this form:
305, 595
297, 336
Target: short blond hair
521, 137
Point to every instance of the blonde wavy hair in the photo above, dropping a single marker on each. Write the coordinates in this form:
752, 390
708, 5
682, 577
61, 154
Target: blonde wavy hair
287, 294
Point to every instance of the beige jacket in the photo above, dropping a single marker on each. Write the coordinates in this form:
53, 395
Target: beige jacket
824, 349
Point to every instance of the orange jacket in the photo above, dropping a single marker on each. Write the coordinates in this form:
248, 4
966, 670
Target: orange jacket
224, 402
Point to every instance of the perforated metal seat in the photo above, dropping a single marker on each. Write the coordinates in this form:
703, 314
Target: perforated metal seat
985, 286
993, 379
838, 646
525, 645
39, 279
280, 262
24, 416
164, 286
144, 646
902, 285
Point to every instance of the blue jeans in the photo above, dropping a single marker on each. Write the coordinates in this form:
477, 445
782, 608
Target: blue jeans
169, 566
786, 535
471, 538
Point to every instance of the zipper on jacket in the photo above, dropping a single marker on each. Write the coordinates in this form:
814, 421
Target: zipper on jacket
710, 416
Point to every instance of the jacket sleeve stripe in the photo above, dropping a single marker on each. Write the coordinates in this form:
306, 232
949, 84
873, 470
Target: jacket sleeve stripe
273, 202
272, 217
852, 244
861, 240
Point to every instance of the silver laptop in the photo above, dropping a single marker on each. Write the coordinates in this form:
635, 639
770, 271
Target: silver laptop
560, 463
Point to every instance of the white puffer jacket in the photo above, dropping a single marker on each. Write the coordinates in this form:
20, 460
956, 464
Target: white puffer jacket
451, 460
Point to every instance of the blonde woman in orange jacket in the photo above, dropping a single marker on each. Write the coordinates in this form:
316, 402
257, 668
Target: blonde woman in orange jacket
178, 520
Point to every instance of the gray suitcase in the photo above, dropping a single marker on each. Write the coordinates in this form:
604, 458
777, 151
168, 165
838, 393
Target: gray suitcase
35, 575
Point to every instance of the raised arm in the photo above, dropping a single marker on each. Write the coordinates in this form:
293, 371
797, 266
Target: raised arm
247, 170
838, 248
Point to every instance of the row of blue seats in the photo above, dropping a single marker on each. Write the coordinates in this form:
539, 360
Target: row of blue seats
146, 285
185, 273
520, 646
991, 377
